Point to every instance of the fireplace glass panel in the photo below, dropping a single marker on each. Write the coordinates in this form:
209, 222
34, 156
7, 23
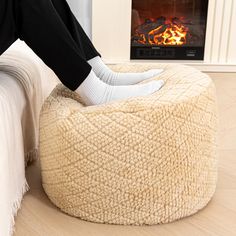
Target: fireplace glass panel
168, 29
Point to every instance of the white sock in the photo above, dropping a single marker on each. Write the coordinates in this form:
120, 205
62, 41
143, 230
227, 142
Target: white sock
94, 91
115, 78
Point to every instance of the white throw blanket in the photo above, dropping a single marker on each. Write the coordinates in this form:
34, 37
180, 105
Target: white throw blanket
20, 103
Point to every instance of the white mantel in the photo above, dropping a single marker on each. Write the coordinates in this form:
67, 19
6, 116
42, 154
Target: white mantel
111, 23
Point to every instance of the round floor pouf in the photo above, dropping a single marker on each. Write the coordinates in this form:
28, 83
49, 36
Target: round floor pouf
144, 160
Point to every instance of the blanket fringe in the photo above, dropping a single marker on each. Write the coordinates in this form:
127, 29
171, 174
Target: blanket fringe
16, 206
31, 156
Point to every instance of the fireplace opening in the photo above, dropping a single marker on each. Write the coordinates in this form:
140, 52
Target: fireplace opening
168, 29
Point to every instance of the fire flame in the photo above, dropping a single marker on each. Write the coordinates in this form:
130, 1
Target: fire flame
173, 35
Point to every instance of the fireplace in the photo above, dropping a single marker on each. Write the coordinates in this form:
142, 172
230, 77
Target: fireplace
168, 29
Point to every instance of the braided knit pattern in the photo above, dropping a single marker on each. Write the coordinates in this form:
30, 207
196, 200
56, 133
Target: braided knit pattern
143, 160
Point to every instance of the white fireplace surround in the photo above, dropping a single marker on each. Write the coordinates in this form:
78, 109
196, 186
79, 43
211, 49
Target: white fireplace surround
111, 23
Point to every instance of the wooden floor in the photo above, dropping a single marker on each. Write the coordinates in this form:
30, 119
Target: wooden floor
39, 217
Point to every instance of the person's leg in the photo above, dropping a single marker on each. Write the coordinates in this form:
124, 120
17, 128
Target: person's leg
41, 27
94, 91
118, 78
75, 29
8, 34
92, 55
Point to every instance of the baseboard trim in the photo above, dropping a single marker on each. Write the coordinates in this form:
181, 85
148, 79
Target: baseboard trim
214, 68
205, 67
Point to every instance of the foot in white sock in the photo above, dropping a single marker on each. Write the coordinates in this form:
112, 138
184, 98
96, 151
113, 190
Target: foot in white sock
115, 78
94, 91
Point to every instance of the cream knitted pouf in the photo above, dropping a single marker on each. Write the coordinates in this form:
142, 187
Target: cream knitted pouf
144, 160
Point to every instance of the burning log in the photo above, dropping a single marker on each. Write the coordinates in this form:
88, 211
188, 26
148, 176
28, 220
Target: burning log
161, 20
149, 25
161, 32
180, 21
176, 21
143, 31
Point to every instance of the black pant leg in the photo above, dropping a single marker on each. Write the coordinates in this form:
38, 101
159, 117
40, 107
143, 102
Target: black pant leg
8, 29
76, 30
42, 29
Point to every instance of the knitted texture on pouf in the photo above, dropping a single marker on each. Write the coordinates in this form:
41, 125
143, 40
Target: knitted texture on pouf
143, 160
